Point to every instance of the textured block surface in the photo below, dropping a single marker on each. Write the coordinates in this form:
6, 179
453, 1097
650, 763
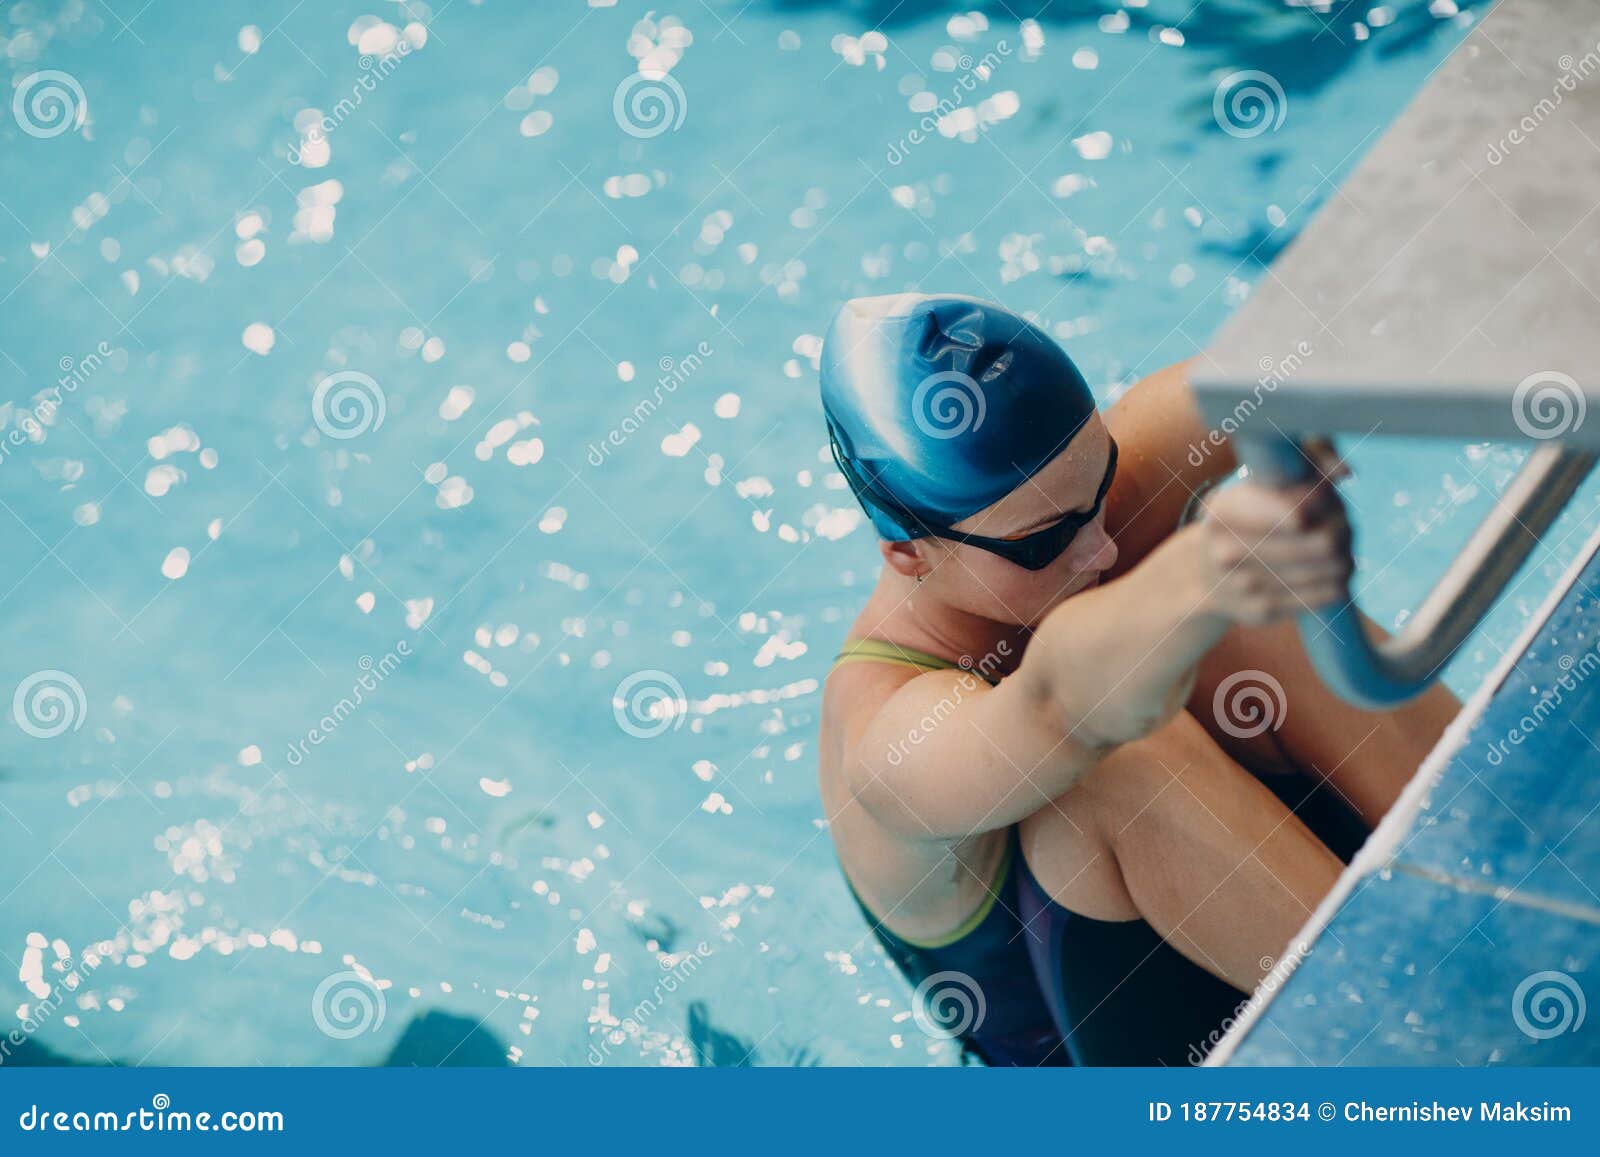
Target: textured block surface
1474, 937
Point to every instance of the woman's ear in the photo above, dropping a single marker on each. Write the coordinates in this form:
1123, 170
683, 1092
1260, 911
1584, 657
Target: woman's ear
905, 558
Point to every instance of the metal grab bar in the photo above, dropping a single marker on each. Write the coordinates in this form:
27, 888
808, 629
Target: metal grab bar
1381, 674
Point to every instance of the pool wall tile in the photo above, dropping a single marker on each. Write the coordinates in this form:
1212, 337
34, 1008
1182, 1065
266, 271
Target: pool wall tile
1475, 938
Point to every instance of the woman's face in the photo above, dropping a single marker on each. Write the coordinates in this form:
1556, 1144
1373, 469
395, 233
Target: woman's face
984, 584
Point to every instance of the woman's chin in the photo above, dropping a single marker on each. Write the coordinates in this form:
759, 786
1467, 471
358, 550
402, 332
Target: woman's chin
1076, 587
1088, 582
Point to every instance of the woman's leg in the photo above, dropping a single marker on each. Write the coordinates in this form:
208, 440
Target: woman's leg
1366, 757
1172, 830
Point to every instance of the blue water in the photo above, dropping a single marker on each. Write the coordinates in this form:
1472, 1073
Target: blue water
480, 837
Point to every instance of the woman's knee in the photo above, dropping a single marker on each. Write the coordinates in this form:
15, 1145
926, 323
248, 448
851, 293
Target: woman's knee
1177, 794
1180, 756
1126, 779
1071, 844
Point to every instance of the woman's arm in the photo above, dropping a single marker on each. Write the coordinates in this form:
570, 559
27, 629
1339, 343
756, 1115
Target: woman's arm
947, 757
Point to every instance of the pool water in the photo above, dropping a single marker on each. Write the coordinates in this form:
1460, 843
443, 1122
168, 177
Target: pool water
499, 714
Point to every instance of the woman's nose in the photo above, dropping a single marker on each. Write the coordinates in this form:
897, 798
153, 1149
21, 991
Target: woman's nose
1099, 552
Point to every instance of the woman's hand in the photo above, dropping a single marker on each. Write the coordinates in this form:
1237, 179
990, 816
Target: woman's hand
1271, 553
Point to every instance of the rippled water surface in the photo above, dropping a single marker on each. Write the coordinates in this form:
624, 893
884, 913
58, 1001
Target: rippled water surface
504, 706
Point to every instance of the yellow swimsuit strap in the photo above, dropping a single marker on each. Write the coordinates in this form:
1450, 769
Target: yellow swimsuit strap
878, 651
968, 926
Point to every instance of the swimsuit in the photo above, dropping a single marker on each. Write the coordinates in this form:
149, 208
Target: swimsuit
1057, 987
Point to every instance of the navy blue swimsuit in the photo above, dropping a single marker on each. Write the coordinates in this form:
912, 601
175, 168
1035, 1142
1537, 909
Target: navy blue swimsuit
985, 963
1058, 988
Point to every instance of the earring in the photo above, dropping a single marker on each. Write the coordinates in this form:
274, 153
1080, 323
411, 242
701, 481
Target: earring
919, 580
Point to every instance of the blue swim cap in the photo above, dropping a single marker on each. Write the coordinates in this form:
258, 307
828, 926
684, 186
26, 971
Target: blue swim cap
941, 405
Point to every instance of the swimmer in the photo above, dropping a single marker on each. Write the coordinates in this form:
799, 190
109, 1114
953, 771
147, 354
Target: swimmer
1047, 795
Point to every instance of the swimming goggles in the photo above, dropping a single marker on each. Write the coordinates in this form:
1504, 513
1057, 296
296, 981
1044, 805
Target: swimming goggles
1033, 551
